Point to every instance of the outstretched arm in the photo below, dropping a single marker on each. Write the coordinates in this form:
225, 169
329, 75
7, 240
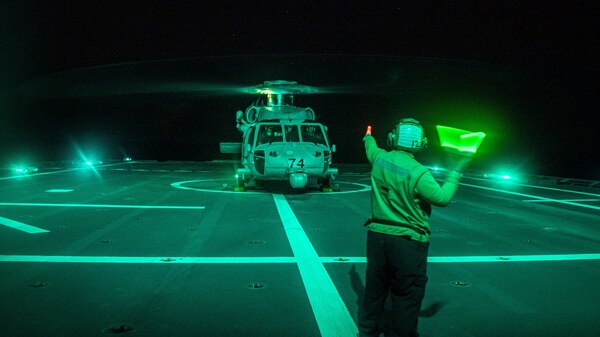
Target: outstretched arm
371, 146
438, 195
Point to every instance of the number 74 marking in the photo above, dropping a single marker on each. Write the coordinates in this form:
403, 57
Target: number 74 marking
300, 162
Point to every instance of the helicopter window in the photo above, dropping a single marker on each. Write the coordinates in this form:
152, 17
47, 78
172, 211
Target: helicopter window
269, 133
312, 134
288, 100
291, 133
280, 99
260, 101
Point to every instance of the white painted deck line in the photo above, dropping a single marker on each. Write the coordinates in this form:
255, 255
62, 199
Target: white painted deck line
97, 205
570, 200
470, 259
144, 259
21, 226
331, 313
284, 259
540, 187
532, 196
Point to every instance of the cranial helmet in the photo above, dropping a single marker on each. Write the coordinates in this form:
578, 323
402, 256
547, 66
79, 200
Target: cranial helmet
407, 136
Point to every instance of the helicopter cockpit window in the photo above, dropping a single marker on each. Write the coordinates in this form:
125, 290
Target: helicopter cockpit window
269, 133
312, 134
280, 99
291, 133
260, 101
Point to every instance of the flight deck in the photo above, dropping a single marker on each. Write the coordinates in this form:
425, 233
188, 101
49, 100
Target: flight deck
170, 249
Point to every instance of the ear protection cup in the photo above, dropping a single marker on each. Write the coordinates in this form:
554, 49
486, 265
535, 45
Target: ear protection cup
391, 139
407, 135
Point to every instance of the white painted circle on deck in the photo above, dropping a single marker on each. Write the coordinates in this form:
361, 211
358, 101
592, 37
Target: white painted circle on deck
180, 185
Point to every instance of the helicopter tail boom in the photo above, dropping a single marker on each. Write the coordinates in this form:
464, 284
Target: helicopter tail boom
228, 147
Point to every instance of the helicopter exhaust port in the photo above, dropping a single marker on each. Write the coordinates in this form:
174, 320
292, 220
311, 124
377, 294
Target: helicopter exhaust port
298, 180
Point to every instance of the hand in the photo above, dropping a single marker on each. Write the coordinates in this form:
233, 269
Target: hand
460, 159
462, 164
368, 133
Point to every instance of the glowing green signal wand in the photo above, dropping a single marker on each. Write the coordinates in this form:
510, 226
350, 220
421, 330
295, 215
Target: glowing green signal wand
460, 140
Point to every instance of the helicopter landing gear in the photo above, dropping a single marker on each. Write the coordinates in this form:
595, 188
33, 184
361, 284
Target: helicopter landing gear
240, 184
325, 184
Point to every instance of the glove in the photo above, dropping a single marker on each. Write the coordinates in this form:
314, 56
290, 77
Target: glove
462, 164
461, 160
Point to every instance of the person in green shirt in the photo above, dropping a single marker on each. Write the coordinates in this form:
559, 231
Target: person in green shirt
402, 193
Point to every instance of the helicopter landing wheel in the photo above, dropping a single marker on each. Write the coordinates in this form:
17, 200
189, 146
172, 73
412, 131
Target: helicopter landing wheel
325, 184
240, 185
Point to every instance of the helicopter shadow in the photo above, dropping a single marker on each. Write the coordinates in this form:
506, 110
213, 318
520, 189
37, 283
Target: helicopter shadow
359, 289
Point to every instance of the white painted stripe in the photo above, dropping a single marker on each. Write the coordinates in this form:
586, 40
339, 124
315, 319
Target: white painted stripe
144, 259
284, 259
465, 259
554, 200
532, 196
21, 226
540, 187
59, 190
98, 205
514, 258
330, 311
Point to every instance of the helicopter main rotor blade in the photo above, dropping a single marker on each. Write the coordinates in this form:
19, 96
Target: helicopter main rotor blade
73, 86
216, 76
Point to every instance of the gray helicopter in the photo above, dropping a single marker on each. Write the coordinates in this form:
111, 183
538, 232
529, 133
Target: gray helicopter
281, 141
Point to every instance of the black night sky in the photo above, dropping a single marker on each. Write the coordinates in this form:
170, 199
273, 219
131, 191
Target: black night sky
153, 79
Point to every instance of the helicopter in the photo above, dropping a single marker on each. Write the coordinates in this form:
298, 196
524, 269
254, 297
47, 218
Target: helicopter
281, 141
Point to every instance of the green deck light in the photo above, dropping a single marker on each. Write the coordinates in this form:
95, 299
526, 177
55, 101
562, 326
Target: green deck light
26, 169
460, 140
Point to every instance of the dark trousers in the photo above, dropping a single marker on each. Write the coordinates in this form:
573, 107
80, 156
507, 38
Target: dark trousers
396, 266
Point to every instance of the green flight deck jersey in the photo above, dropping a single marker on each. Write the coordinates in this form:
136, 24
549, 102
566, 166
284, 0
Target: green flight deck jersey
403, 191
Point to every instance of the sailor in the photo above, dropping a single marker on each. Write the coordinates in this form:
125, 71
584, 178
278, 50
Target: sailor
266, 135
402, 193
